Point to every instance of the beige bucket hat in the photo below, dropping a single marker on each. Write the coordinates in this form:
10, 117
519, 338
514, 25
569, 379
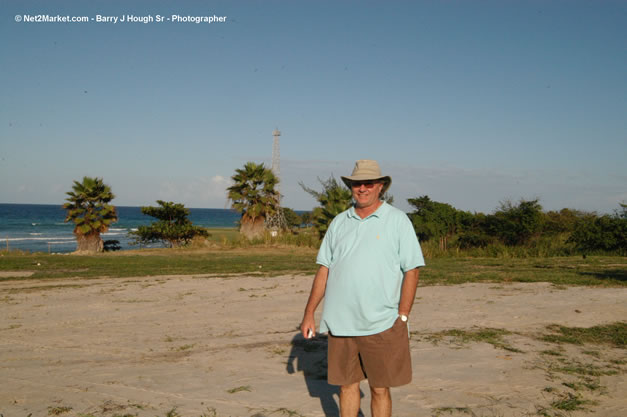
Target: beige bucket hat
365, 170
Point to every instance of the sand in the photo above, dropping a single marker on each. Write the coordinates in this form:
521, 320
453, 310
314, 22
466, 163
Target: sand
228, 346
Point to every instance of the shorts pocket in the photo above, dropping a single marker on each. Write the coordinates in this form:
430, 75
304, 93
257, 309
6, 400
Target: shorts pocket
391, 334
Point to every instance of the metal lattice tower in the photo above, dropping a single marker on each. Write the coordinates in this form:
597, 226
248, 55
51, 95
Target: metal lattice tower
277, 221
276, 160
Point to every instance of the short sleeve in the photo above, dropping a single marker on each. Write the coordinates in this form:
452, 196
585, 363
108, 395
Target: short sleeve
410, 253
325, 253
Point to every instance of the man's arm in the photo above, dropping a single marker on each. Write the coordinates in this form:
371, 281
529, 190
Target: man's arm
408, 291
317, 294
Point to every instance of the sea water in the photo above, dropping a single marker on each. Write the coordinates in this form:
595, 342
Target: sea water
42, 228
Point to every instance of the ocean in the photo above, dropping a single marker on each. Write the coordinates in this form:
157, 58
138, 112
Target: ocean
41, 227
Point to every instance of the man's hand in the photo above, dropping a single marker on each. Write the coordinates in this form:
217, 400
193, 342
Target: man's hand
308, 327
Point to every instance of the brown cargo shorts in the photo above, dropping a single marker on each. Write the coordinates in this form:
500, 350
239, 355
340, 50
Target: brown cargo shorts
382, 358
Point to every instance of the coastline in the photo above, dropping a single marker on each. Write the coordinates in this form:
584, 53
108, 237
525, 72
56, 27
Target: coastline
42, 228
9, 244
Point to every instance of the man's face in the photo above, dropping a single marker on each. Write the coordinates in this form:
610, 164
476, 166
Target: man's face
366, 193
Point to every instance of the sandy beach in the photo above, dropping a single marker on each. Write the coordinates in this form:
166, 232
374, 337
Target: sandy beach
229, 346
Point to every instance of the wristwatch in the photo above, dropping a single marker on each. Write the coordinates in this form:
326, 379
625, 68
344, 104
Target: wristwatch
403, 317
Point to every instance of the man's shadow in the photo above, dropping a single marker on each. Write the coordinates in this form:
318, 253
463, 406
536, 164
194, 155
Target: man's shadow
311, 358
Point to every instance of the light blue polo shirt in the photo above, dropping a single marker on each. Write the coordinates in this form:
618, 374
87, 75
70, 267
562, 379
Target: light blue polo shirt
366, 259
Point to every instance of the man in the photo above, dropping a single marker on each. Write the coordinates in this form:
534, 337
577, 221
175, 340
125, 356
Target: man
368, 275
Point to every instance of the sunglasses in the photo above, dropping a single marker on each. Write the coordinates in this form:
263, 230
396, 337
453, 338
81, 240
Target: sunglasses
367, 184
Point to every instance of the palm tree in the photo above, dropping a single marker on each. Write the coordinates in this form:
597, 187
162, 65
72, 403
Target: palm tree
253, 194
87, 206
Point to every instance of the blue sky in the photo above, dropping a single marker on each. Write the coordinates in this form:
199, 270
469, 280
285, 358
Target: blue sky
471, 103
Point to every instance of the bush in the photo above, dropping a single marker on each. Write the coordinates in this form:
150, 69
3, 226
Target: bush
432, 219
173, 228
517, 224
291, 218
594, 234
474, 240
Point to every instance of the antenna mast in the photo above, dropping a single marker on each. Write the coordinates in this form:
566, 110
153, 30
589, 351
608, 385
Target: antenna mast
276, 160
277, 221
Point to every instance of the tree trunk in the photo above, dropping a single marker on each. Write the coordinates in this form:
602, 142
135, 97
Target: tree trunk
89, 243
252, 229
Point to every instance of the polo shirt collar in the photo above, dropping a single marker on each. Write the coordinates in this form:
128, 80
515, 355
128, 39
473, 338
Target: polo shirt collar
378, 212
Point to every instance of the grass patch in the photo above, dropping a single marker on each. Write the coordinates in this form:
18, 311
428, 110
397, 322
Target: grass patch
450, 410
485, 335
223, 235
134, 301
574, 367
286, 412
211, 412
172, 413
273, 260
239, 389
614, 334
571, 402
579, 377
590, 385
552, 353
55, 411
277, 350
154, 262
592, 353
183, 348
39, 288
596, 271
118, 410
